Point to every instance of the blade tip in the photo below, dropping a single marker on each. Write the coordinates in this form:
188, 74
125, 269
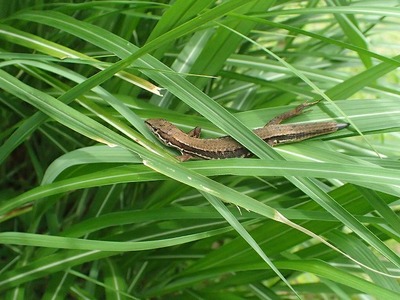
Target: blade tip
342, 125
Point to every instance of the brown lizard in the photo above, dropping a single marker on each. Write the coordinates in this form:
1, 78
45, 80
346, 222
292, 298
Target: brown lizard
274, 133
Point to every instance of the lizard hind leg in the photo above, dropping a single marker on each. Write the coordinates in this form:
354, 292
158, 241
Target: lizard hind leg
291, 113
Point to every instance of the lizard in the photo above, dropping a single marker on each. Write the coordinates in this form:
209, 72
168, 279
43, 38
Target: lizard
274, 133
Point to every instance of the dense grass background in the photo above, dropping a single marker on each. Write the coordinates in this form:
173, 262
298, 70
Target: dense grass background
92, 206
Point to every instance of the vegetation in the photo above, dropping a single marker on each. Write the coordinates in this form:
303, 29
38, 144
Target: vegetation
92, 206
